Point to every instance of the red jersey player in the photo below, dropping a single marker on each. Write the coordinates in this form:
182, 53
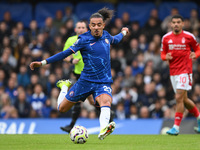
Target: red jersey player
176, 48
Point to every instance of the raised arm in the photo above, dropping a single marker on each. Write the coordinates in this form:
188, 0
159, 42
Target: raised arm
117, 38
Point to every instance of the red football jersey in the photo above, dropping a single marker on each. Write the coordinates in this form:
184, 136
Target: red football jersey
180, 48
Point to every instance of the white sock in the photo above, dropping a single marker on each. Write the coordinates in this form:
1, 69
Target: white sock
104, 117
176, 127
62, 94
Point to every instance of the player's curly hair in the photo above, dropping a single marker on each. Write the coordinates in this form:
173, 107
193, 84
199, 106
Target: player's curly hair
104, 13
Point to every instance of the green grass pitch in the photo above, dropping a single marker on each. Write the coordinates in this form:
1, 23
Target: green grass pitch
112, 142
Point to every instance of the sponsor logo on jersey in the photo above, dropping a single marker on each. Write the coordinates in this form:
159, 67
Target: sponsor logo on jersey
177, 47
183, 40
170, 41
106, 40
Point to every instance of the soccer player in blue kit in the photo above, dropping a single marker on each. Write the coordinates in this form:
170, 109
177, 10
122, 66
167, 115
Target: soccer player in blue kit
95, 78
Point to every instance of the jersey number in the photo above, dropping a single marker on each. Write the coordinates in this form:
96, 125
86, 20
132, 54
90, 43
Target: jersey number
108, 89
183, 79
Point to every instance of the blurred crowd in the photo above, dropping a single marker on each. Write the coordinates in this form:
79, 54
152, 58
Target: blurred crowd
141, 87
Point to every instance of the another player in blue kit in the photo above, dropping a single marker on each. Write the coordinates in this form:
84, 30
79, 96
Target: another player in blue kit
95, 78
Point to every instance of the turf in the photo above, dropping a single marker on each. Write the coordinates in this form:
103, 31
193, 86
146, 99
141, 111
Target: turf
113, 142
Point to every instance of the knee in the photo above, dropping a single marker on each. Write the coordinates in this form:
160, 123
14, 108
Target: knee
179, 98
106, 101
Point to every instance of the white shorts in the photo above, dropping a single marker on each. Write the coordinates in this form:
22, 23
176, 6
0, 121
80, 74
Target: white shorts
182, 81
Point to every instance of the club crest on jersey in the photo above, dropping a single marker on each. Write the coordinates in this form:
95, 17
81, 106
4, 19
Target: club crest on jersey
71, 94
106, 40
183, 40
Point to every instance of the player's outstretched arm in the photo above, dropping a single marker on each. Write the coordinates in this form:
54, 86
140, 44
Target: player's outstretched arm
117, 38
125, 31
35, 64
52, 59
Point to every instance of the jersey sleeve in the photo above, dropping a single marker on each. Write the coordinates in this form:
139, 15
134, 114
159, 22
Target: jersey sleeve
195, 46
116, 39
78, 45
163, 49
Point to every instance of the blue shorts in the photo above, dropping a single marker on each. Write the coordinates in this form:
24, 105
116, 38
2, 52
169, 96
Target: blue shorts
82, 89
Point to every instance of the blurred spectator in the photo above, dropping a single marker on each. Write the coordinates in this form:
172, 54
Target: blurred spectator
187, 25
133, 51
14, 37
135, 30
149, 95
8, 20
126, 19
57, 21
54, 97
115, 63
3, 31
151, 28
139, 83
22, 106
8, 110
121, 58
120, 112
194, 20
33, 30
133, 112
23, 76
156, 110
154, 14
38, 99
11, 89
54, 113
153, 54
118, 23
148, 74
2, 78
5, 43
51, 83
165, 25
69, 25
69, 15
136, 68
144, 112
157, 80
21, 30
143, 43
128, 77
46, 109
48, 27
18, 50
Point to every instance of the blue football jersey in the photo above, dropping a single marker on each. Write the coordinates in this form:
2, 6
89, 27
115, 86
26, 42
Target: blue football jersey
96, 55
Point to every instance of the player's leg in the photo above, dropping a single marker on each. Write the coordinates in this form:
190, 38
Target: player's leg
179, 96
97, 106
75, 114
106, 128
189, 104
63, 104
64, 86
